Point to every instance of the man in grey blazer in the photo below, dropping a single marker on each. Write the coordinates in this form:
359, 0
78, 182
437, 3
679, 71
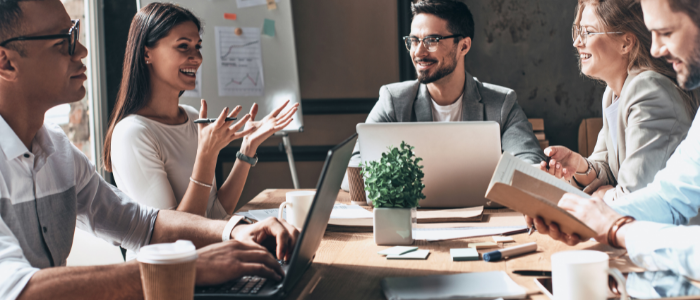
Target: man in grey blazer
441, 36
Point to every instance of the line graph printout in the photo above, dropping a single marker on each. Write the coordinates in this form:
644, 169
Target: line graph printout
239, 62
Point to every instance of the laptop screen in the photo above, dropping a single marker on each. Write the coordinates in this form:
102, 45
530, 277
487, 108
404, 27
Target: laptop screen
320, 212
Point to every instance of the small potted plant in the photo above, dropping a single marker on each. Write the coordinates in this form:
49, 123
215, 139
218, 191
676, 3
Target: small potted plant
394, 185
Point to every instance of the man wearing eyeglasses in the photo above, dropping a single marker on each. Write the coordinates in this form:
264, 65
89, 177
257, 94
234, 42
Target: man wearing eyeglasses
47, 186
645, 222
441, 35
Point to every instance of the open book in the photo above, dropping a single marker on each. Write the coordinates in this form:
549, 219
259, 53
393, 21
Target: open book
526, 189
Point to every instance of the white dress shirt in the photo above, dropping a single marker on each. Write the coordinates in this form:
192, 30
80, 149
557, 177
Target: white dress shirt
44, 194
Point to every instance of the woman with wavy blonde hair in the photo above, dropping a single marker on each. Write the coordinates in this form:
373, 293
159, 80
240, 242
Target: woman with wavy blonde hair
645, 114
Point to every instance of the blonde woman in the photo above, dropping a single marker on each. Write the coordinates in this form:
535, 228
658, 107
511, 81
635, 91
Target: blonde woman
645, 114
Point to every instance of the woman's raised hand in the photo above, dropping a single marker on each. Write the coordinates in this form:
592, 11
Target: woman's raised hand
274, 122
215, 136
563, 162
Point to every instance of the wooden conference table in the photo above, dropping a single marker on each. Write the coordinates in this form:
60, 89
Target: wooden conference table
347, 265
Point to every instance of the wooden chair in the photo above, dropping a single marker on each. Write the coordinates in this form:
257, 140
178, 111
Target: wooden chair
588, 135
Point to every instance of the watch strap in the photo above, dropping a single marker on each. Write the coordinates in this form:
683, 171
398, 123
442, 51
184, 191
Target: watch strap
226, 234
251, 160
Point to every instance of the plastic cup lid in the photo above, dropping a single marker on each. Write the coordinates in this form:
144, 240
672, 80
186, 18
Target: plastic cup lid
168, 253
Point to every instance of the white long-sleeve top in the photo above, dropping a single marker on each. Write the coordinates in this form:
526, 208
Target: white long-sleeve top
152, 162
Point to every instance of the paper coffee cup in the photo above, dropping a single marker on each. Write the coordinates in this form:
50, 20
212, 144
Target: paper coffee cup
168, 270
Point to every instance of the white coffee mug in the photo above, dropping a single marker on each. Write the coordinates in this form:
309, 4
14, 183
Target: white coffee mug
298, 203
583, 275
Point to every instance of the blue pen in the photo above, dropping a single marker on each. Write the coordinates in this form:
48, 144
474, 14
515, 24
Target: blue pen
510, 252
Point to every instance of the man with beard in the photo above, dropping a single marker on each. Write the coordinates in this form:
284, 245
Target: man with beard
441, 35
641, 222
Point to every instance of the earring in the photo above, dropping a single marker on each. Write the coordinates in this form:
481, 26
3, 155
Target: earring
148, 62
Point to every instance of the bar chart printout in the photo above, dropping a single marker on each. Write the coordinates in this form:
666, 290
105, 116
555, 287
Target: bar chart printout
239, 62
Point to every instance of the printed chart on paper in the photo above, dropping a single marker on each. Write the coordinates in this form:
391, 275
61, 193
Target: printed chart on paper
239, 62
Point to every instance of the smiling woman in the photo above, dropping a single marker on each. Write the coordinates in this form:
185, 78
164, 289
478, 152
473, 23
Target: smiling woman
158, 155
646, 115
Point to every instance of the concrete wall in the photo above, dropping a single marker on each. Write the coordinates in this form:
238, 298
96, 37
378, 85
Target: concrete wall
526, 45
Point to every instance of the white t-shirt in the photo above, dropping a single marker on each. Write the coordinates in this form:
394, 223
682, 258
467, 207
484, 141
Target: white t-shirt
447, 113
152, 162
611, 116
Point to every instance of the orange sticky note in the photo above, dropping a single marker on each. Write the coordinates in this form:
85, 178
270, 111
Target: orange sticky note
229, 16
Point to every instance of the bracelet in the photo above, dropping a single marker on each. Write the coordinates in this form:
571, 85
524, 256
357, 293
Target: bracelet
588, 171
201, 183
612, 232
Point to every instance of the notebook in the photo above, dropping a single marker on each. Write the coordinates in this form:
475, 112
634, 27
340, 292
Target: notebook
533, 192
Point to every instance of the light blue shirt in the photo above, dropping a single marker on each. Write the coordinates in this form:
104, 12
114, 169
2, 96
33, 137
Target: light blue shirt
674, 195
664, 247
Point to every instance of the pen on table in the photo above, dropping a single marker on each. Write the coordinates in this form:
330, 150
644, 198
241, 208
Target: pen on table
211, 120
533, 273
510, 252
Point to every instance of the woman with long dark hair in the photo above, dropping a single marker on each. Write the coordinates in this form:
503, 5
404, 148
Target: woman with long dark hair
158, 155
645, 114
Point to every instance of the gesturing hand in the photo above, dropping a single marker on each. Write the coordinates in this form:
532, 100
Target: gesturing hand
221, 262
277, 235
563, 162
215, 136
263, 129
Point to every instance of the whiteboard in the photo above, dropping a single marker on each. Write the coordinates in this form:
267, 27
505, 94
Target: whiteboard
279, 62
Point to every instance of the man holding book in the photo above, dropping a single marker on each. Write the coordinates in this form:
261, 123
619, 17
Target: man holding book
645, 221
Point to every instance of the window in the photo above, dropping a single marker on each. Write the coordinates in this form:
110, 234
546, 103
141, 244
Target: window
75, 118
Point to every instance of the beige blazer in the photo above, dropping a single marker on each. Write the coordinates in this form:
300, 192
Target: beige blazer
652, 120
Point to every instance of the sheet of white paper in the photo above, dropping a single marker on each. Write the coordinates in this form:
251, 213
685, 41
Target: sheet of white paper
418, 254
249, 3
510, 163
262, 214
197, 92
340, 211
239, 62
478, 285
439, 234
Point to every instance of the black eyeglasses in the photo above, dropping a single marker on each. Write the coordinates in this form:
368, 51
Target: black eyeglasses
72, 37
429, 42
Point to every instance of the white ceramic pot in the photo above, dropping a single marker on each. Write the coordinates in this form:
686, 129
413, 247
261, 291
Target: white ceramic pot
393, 226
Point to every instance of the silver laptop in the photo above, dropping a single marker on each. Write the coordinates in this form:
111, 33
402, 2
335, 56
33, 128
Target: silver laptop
458, 157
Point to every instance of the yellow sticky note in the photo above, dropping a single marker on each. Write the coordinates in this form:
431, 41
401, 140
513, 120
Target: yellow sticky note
484, 245
503, 239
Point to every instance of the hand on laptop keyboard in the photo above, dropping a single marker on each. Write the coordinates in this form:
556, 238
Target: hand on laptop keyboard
279, 235
222, 262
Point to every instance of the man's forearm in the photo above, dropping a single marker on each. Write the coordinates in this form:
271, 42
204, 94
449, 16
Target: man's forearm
174, 225
119, 281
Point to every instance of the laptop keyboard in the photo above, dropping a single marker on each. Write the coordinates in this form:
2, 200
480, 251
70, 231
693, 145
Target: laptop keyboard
245, 285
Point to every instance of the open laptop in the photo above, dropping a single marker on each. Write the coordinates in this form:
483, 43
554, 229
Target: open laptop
458, 157
253, 287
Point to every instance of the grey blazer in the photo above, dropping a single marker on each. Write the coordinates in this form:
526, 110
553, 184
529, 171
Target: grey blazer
409, 101
652, 120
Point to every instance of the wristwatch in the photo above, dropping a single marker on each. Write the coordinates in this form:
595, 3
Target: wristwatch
251, 160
